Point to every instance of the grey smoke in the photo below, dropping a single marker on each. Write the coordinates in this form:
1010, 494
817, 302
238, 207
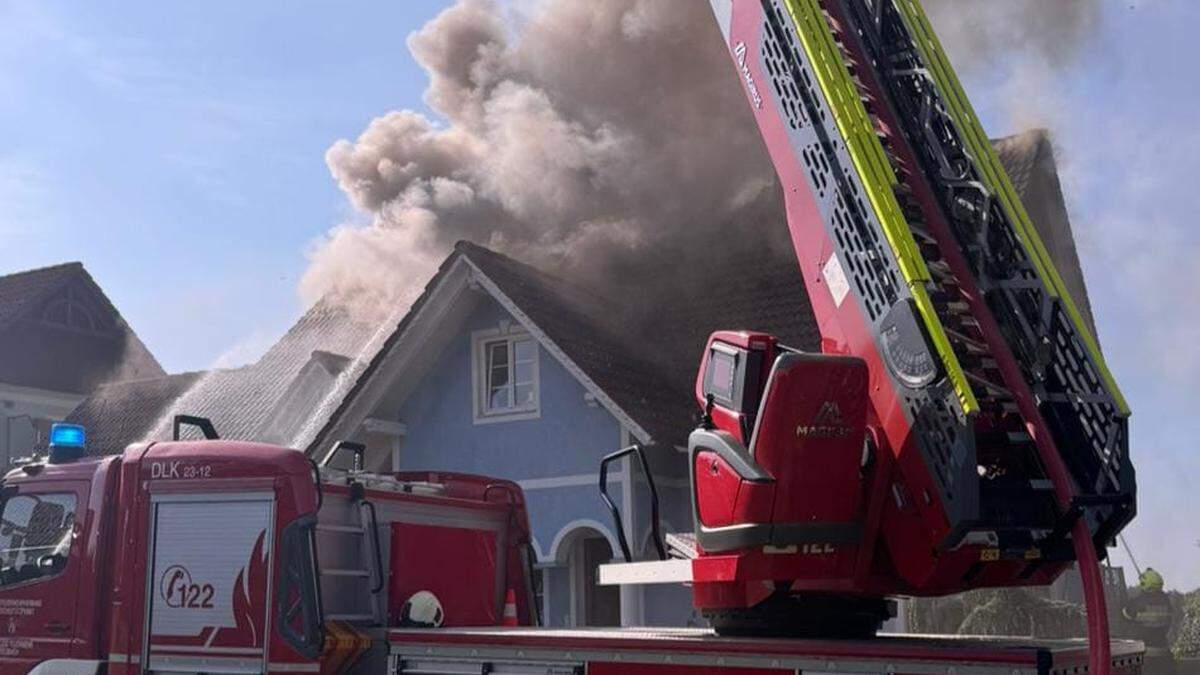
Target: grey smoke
575, 132
977, 32
583, 132
1021, 47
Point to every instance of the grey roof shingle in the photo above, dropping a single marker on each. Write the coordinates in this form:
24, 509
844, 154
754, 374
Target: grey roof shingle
97, 347
121, 413
1028, 158
239, 401
22, 290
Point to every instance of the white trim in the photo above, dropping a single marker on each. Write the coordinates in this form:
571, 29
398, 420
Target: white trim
632, 613
545, 614
575, 587
580, 524
204, 663
34, 396
397, 446
479, 339
423, 326
635, 574
554, 350
376, 425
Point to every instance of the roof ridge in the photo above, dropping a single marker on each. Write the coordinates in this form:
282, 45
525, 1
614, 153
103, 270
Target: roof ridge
468, 247
40, 270
1032, 132
154, 378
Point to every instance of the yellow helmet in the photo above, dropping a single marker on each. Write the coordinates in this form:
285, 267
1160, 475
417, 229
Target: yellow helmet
1150, 580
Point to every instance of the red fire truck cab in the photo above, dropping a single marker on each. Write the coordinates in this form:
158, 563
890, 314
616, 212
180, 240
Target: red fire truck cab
230, 557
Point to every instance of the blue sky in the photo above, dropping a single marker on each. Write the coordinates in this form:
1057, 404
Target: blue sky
178, 151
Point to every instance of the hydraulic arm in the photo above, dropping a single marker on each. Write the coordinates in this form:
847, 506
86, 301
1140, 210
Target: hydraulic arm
995, 446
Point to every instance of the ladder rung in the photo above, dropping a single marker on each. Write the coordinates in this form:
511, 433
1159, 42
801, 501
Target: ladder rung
991, 386
972, 344
351, 617
339, 572
352, 529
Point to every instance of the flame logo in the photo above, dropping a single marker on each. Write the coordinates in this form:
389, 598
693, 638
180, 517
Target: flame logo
249, 593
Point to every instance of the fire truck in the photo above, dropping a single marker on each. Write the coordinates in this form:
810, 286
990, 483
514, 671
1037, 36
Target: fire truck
958, 430
214, 556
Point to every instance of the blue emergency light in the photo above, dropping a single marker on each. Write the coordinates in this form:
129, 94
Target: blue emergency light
66, 442
67, 436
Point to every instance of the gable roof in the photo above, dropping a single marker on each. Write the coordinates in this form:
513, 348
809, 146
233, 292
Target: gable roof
573, 324
637, 358
21, 291
43, 357
611, 359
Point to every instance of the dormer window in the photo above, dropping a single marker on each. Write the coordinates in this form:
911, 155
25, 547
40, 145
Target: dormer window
71, 310
66, 312
505, 382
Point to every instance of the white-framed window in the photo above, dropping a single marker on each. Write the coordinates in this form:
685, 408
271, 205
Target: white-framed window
505, 376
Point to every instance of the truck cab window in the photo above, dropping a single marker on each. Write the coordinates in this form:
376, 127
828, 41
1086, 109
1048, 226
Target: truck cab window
36, 532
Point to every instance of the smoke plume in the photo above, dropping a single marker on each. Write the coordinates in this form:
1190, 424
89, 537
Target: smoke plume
577, 133
1021, 47
977, 33
583, 133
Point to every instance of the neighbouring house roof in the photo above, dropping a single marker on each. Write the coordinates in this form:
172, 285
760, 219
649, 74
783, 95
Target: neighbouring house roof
60, 332
1028, 158
120, 413
240, 401
636, 351
21, 291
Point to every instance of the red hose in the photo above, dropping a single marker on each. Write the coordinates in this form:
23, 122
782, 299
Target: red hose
1099, 649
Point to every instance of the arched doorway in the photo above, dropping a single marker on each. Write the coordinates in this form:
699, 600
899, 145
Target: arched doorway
591, 604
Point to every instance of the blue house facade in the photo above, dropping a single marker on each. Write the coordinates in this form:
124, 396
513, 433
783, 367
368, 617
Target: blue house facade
501, 370
498, 403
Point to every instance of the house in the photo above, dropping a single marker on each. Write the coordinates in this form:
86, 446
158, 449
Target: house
60, 337
504, 369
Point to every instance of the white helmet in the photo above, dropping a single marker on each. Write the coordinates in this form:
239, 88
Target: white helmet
422, 610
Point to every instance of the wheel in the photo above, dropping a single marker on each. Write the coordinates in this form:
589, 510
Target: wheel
809, 616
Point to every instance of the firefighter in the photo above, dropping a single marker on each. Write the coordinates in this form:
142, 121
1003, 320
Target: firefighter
1150, 612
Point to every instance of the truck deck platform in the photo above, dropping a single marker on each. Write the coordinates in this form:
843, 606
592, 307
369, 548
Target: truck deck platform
663, 651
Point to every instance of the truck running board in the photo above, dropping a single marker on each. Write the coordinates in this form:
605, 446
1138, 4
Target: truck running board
677, 571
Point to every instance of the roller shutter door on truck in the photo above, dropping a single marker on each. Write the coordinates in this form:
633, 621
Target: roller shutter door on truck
209, 578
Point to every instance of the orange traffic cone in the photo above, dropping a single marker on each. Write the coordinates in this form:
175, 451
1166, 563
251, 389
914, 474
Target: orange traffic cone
510, 610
